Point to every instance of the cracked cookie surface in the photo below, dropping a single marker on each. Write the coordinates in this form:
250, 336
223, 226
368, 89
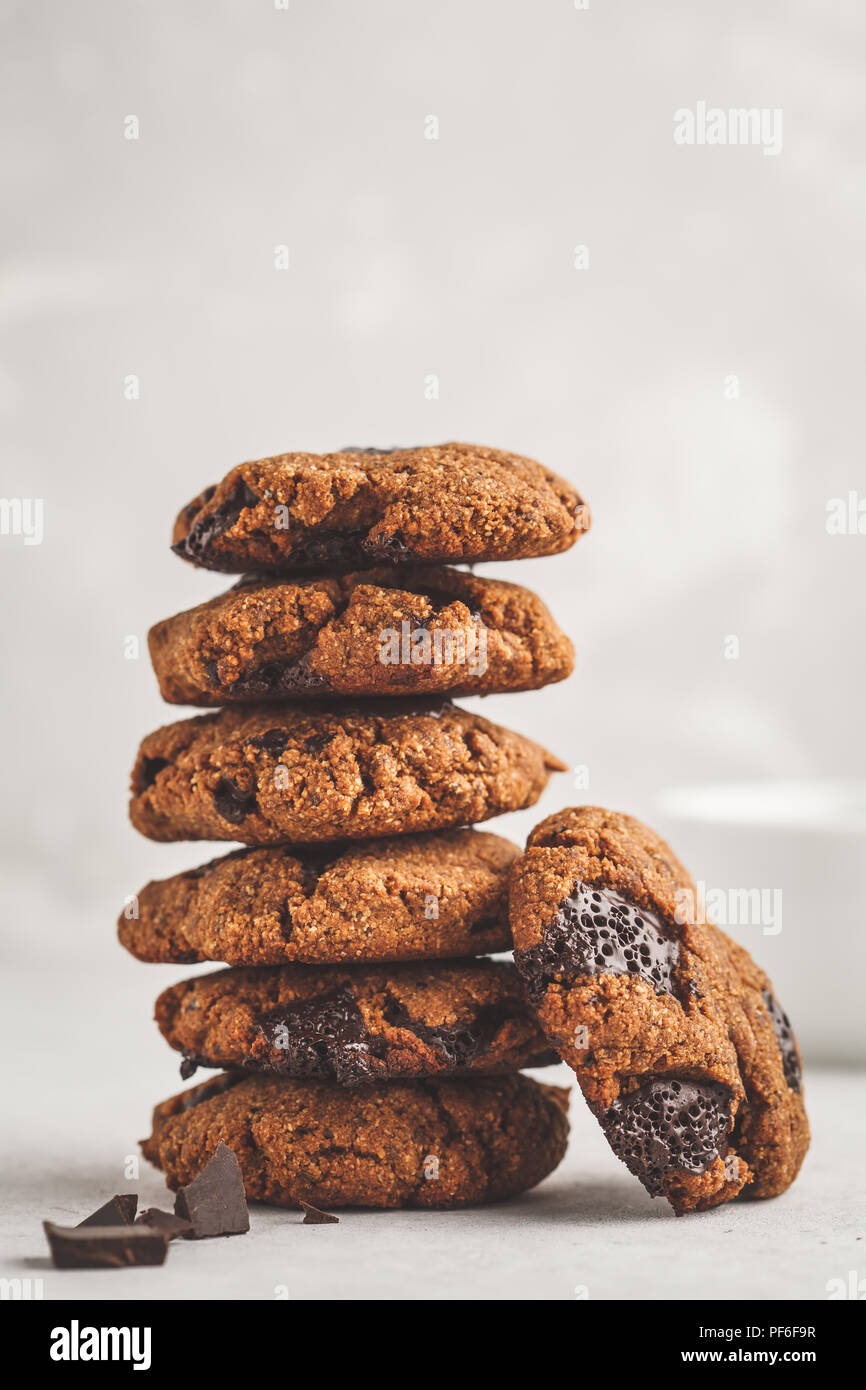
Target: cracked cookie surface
425, 1143
302, 774
377, 632
412, 897
355, 1024
678, 1043
350, 510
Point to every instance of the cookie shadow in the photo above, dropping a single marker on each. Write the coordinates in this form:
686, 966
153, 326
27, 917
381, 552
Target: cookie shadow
598, 1203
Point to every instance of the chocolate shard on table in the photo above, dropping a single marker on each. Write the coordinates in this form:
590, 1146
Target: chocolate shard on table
105, 1247
167, 1222
215, 1202
314, 1216
119, 1210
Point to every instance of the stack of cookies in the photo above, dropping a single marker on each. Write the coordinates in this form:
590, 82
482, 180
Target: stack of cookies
369, 1053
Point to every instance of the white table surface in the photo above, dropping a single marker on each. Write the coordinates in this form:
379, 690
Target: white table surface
87, 1064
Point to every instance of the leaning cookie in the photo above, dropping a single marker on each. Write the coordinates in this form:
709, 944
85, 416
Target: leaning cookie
678, 1043
432, 1143
377, 632
301, 774
412, 897
362, 507
355, 1024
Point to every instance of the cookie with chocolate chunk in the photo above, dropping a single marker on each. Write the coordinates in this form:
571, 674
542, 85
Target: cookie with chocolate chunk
412, 897
425, 1143
678, 1043
377, 632
350, 510
355, 1024
302, 774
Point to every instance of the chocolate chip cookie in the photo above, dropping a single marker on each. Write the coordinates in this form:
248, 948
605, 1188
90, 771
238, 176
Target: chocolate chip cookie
358, 508
413, 897
678, 1043
357, 1023
297, 773
425, 1143
425, 631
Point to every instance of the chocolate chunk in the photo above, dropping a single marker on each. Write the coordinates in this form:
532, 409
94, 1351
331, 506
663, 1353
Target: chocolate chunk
216, 1087
170, 1225
314, 1217
459, 1045
119, 1210
215, 1203
387, 545
280, 678
190, 1065
666, 1125
149, 769
324, 1037
205, 529
104, 1247
231, 802
273, 741
317, 743
328, 548
598, 932
785, 1037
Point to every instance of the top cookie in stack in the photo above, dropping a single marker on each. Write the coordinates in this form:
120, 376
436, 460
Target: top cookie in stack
458, 503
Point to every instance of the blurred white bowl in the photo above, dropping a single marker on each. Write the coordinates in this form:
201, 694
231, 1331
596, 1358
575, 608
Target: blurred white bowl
782, 865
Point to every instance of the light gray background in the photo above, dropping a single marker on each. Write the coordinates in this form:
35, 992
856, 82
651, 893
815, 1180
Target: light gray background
411, 257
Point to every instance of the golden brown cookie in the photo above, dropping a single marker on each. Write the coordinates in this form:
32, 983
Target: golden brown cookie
363, 507
412, 897
355, 1024
678, 1043
275, 774
377, 632
430, 1143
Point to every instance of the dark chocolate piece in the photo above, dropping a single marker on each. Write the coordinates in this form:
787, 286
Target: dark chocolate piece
232, 802
199, 1094
459, 1045
276, 679
272, 741
105, 1247
150, 768
785, 1036
119, 1210
314, 1217
598, 932
666, 1125
215, 1202
165, 1221
324, 1037
205, 529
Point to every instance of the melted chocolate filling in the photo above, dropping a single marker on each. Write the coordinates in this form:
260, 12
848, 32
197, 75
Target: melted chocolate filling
325, 1037
669, 1125
785, 1037
598, 932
